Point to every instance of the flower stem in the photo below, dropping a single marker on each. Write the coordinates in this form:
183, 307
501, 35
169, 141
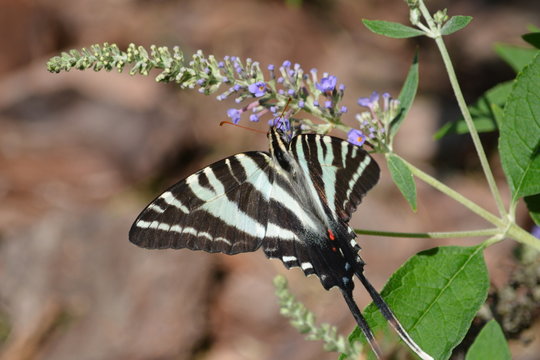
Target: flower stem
431, 235
465, 111
520, 235
506, 227
480, 211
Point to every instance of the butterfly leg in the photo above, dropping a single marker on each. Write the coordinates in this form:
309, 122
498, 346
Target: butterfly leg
361, 321
391, 318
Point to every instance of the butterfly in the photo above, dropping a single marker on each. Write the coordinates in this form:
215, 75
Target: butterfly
294, 201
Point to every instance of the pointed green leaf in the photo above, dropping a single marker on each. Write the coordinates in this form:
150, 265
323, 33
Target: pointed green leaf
489, 344
533, 204
533, 39
482, 124
498, 114
481, 112
516, 57
435, 295
406, 96
391, 29
455, 23
403, 178
519, 140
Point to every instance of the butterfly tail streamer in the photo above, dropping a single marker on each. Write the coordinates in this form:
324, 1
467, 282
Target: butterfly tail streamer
362, 323
391, 318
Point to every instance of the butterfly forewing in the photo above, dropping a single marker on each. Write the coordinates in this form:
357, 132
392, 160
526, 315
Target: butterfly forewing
341, 172
221, 208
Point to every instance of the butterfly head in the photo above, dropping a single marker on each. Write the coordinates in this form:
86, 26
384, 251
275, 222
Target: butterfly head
279, 147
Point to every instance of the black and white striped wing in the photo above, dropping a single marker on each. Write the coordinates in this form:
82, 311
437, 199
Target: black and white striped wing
221, 208
342, 173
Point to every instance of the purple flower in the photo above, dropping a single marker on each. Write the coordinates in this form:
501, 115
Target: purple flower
221, 64
271, 67
301, 103
370, 101
315, 103
234, 114
536, 231
356, 137
341, 87
200, 82
283, 124
343, 109
290, 92
327, 84
286, 64
254, 117
258, 89
280, 79
328, 104
236, 87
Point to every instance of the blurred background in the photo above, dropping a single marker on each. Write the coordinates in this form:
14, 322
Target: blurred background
81, 154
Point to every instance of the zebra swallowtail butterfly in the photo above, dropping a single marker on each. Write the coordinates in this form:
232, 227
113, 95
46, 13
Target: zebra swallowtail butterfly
294, 202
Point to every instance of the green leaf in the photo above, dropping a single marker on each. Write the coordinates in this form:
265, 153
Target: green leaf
498, 114
435, 295
489, 344
481, 112
519, 140
392, 29
482, 124
533, 39
403, 178
406, 96
533, 204
516, 57
455, 23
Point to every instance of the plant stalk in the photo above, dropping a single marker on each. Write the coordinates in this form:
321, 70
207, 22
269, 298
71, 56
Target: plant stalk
480, 211
431, 235
465, 111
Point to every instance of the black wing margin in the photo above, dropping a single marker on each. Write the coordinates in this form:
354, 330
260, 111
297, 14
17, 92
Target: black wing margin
220, 208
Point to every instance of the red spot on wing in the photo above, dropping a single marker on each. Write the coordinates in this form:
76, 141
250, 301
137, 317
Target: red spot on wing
331, 235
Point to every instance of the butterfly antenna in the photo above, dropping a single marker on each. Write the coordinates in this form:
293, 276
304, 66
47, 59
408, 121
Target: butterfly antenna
242, 127
279, 118
361, 321
391, 318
